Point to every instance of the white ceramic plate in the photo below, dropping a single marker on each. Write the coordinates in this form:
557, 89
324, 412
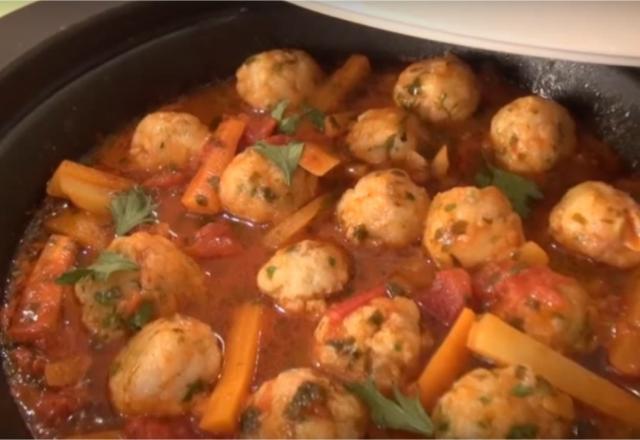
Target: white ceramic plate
595, 32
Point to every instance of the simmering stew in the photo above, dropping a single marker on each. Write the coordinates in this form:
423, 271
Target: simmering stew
351, 251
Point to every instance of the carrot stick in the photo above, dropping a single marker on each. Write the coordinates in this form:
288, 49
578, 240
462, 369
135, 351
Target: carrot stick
492, 338
221, 411
448, 363
40, 303
87, 188
317, 160
331, 94
296, 222
201, 195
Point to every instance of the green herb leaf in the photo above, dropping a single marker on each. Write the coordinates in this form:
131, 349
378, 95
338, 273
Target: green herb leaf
130, 209
108, 262
286, 125
521, 390
315, 116
278, 110
142, 316
518, 190
405, 413
526, 430
285, 157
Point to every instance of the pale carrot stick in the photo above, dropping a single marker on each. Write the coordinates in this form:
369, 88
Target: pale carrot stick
342, 82
317, 160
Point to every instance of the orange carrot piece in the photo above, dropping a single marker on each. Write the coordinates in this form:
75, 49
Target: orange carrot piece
201, 195
448, 363
296, 222
342, 82
317, 160
67, 372
87, 188
222, 410
40, 303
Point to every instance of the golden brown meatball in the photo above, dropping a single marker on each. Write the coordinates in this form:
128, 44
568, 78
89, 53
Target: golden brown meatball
269, 77
167, 139
254, 188
387, 135
438, 89
385, 207
509, 402
165, 280
162, 368
598, 221
301, 403
299, 277
381, 340
530, 135
471, 226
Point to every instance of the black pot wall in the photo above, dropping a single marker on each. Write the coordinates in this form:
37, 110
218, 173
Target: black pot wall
133, 57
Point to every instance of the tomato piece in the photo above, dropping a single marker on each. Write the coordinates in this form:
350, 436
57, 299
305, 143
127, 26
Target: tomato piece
165, 179
156, 427
27, 361
258, 127
55, 406
279, 139
447, 296
339, 311
215, 239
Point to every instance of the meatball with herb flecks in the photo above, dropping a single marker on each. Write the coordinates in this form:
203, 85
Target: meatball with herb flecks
385, 207
301, 403
441, 89
531, 134
268, 77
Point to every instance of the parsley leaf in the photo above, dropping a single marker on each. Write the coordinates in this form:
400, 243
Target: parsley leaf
289, 124
108, 262
142, 316
130, 209
285, 157
405, 413
518, 190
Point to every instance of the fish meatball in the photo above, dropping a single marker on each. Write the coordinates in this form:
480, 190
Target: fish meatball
470, 226
509, 402
300, 277
385, 207
387, 135
598, 221
439, 89
381, 340
531, 134
275, 75
550, 307
167, 139
164, 366
301, 403
164, 280
254, 188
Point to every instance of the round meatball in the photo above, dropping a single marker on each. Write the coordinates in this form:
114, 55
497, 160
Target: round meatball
470, 226
385, 207
598, 221
301, 403
167, 139
509, 402
164, 366
387, 135
552, 308
300, 277
269, 77
381, 340
530, 135
165, 279
254, 188
439, 89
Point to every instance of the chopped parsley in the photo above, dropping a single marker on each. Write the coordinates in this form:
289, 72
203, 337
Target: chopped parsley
132, 208
519, 191
107, 263
285, 157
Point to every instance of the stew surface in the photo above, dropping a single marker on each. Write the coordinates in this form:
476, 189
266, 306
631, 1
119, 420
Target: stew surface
356, 251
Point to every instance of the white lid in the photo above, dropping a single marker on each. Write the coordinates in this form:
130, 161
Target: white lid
596, 32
